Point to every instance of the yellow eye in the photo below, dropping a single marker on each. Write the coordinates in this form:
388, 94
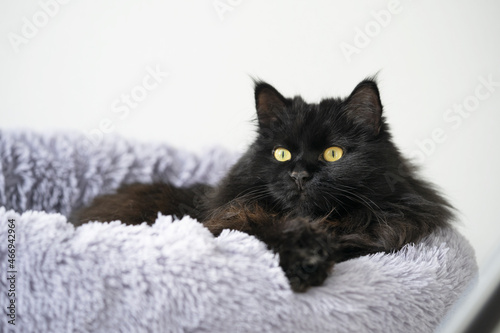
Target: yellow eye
282, 154
333, 154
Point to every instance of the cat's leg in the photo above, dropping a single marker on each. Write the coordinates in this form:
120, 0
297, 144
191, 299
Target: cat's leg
309, 249
138, 203
307, 252
305, 249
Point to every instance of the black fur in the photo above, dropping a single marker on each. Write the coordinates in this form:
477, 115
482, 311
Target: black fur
312, 212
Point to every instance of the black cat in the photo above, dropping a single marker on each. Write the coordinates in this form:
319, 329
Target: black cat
322, 183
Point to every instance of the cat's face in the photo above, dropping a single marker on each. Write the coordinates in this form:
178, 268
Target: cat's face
318, 158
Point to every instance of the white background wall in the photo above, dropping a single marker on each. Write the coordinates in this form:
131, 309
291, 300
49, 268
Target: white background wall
66, 65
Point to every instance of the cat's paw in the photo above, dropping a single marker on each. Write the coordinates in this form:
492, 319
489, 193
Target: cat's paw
305, 254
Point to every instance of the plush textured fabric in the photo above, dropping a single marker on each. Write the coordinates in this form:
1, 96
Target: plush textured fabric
175, 276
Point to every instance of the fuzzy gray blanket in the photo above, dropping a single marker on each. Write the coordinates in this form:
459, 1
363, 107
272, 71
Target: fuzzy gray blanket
175, 276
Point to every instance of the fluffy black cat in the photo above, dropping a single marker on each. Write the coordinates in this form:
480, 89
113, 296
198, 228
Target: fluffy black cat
321, 183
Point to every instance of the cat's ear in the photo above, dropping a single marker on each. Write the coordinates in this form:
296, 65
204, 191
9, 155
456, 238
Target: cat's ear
269, 103
364, 107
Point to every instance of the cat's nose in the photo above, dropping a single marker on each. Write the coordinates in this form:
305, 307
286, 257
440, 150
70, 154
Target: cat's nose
300, 178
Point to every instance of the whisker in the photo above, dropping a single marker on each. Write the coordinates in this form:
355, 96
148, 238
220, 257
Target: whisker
348, 192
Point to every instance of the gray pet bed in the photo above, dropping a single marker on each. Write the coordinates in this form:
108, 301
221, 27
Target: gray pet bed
175, 276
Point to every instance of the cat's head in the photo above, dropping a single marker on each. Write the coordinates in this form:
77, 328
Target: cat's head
324, 157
